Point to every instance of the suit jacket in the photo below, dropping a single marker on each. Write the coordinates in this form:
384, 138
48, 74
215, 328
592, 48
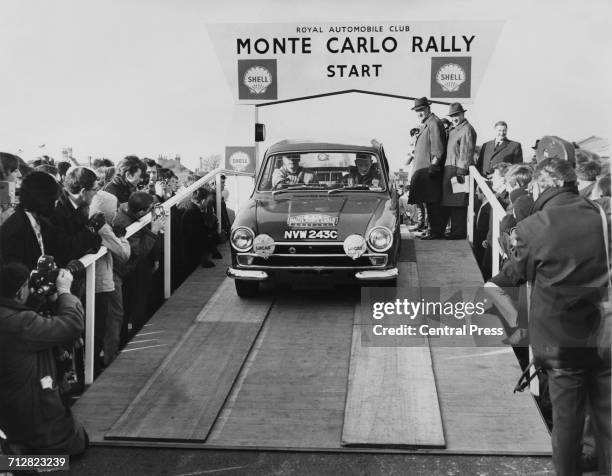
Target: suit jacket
18, 242
566, 265
430, 142
508, 151
120, 188
459, 156
80, 240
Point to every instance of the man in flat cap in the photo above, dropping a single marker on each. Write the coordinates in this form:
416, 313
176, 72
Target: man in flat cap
459, 156
426, 181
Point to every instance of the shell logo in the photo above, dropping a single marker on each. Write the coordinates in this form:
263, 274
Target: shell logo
257, 79
239, 161
450, 77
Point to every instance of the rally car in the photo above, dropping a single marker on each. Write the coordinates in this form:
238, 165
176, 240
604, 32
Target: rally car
318, 209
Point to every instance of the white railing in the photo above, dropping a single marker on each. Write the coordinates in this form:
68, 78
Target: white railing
90, 260
497, 213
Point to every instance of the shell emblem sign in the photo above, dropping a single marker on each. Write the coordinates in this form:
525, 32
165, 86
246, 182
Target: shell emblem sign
257, 79
240, 159
450, 77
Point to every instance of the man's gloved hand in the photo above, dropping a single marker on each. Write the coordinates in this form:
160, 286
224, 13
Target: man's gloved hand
63, 281
460, 179
119, 231
96, 222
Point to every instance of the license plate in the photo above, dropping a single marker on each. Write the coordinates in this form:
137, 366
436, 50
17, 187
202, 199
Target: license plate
311, 234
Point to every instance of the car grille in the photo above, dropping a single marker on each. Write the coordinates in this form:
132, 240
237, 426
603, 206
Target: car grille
308, 255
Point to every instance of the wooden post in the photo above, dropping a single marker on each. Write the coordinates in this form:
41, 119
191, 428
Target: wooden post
495, 245
471, 212
219, 198
90, 306
167, 253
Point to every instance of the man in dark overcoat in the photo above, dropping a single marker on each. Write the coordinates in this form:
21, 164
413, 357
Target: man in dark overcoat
426, 180
459, 156
500, 149
560, 250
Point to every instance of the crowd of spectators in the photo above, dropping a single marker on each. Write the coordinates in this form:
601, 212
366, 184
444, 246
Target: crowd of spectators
552, 291
52, 215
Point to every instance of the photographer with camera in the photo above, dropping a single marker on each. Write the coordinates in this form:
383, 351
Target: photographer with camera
134, 275
129, 175
34, 413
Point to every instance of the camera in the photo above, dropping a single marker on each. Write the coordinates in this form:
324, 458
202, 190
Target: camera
158, 211
42, 278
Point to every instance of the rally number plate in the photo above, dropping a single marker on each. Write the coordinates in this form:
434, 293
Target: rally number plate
311, 234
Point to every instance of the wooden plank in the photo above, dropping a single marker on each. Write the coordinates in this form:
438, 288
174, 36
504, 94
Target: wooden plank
475, 383
184, 396
392, 399
105, 401
407, 250
226, 306
291, 392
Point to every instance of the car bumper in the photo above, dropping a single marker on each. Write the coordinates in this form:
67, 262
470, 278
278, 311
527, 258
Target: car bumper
336, 274
247, 274
377, 274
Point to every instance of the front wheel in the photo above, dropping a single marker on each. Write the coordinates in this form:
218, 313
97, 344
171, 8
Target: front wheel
246, 289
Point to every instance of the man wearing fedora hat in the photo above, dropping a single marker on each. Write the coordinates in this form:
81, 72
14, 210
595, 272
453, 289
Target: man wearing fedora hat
426, 181
459, 156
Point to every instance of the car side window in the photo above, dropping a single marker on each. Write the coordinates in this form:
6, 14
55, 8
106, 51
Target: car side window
266, 177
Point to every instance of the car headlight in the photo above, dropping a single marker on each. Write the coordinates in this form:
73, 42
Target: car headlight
242, 238
380, 238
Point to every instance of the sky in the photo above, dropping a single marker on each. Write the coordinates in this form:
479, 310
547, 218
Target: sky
112, 78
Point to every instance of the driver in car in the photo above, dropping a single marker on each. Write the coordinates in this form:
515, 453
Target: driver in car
291, 173
364, 172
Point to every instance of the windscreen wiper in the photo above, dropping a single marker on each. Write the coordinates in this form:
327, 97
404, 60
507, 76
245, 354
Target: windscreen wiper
297, 187
349, 187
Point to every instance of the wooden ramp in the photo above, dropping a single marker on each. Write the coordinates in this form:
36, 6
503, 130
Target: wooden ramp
392, 399
481, 414
291, 393
214, 371
110, 395
182, 399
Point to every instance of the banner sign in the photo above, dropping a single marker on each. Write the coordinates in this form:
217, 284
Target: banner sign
240, 159
277, 61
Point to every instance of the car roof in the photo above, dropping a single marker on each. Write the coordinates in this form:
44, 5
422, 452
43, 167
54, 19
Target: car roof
305, 146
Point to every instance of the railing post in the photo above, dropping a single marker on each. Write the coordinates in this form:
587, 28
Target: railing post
167, 253
219, 198
495, 245
471, 212
90, 311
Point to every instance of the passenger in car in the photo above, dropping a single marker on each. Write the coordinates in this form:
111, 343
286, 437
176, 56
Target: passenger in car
364, 172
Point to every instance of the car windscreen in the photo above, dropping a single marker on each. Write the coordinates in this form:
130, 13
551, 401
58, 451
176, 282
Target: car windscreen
322, 170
